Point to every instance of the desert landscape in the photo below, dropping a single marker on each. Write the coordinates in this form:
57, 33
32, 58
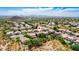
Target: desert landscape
39, 33
39, 28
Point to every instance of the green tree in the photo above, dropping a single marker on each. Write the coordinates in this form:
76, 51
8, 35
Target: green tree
75, 46
18, 39
41, 35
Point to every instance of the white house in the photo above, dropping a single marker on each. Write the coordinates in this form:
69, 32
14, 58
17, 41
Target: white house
32, 34
77, 41
76, 34
15, 28
12, 37
23, 31
10, 33
16, 24
27, 26
17, 32
72, 38
22, 23
22, 28
51, 30
65, 35
51, 23
62, 30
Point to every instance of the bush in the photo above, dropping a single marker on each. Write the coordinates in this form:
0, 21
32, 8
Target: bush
34, 42
75, 46
30, 44
62, 40
43, 40
67, 42
41, 35
56, 28
54, 36
37, 42
18, 39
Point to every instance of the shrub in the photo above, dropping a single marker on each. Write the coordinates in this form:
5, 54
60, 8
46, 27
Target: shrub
41, 35
30, 44
62, 40
67, 42
75, 46
18, 39
56, 28
34, 42
43, 40
37, 42
54, 36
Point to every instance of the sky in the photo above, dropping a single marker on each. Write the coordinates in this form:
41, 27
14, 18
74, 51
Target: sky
42, 11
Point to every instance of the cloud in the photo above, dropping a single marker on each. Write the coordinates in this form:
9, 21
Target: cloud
27, 11
50, 11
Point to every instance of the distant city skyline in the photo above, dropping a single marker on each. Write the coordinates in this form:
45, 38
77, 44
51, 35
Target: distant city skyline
42, 11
